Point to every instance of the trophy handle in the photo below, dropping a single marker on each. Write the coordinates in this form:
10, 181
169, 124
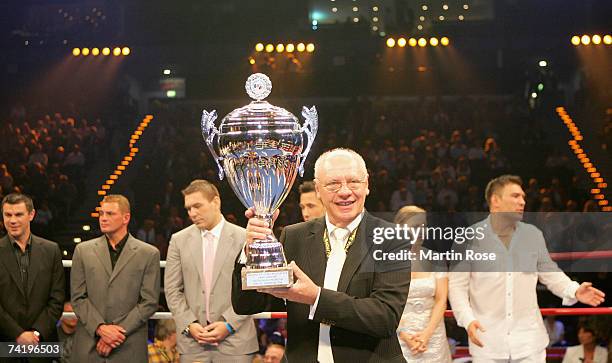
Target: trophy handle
310, 127
209, 131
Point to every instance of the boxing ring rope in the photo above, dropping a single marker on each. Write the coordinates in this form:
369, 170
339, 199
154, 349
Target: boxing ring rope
449, 313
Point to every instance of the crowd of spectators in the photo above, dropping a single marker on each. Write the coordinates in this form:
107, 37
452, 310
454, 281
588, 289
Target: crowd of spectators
45, 155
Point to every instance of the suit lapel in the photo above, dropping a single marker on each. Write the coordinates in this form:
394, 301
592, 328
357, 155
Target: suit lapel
194, 241
129, 251
7, 256
36, 257
226, 242
355, 254
103, 254
315, 256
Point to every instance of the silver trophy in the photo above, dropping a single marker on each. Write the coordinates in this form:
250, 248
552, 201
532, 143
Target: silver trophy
261, 148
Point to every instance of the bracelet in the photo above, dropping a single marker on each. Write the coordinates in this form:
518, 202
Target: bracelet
229, 328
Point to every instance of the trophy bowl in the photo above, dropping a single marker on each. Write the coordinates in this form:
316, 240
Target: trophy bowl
261, 149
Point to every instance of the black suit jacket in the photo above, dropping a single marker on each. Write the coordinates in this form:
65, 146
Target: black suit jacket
363, 313
40, 306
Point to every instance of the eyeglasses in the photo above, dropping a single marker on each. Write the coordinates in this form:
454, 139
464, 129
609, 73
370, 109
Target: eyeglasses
335, 186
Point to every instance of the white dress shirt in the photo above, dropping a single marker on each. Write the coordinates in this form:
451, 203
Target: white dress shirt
504, 299
335, 262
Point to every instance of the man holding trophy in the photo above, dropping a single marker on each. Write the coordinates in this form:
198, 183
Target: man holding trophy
340, 305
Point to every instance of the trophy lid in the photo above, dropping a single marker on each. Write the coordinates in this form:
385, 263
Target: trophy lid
258, 87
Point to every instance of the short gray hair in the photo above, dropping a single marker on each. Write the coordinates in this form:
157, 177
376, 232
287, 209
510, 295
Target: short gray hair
339, 152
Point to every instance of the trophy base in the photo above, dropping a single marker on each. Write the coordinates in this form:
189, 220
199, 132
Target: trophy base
267, 278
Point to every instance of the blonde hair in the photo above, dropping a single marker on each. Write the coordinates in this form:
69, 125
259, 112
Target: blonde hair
208, 189
339, 152
123, 202
406, 215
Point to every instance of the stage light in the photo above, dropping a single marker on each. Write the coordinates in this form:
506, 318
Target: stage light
269, 48
167, 72
607, 39
355, 9
116, 51
101, 192
85, 51
540, 87
251, 61
441, 17
575, 40
301, 47
310, 48
125, 51
422, 42
466, 6
412, 42
390, 42
444, 41
86, 228
586, 40
542, 63
65, 253
334, 9
420, 27
534, 95
76, 240
596, 39
95, 52
259, 47
424, 7
280, 48
76, 52
401, 42
105, 51
375, 8
433, 42
290, 48
461, 17
445, 7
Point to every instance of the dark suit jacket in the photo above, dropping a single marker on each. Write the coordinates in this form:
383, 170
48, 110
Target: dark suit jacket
40, 306
365, 311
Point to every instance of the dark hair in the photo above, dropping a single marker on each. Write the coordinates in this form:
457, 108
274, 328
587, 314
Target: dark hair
16, 198
495, 185
307, 187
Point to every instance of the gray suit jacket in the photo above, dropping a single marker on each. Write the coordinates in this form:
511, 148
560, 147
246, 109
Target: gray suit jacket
127, 296
183, 284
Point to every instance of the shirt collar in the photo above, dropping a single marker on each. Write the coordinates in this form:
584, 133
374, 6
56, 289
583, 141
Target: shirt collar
16, 245
351, 226
216, 231
119, 245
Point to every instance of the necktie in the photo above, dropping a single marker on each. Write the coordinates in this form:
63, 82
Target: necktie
209, 261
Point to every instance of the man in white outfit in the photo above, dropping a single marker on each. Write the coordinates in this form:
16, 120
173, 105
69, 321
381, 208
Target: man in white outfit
499, 306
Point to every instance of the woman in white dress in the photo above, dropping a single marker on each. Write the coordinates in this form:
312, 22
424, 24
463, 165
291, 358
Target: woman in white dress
421, 330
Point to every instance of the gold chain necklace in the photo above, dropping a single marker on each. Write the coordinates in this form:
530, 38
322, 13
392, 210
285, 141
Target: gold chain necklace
348, 244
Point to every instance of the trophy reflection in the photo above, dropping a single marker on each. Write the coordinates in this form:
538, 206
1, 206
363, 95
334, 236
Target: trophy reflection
261, 149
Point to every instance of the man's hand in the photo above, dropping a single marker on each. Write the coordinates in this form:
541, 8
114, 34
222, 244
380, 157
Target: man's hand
27, 338
215, 333
472, 329
258, 228
200, 334
303, 291
589, 295
113, 335
103, 349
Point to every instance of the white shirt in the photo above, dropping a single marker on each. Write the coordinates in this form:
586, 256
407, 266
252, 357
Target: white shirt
504, 301
216, 231
335, 262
